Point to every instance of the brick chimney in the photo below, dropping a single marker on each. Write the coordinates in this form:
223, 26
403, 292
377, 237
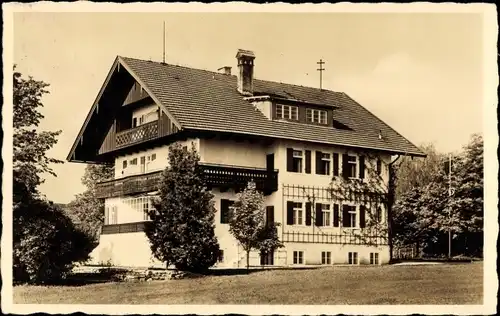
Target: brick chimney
225, 70
245, 71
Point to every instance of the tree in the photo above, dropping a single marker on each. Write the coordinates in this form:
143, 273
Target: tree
45, 242
86, 208
181, 231
468, 198
248, 225
414, 173
426, 212
29, 145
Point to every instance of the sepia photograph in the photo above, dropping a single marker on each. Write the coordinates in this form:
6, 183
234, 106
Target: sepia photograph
253, 159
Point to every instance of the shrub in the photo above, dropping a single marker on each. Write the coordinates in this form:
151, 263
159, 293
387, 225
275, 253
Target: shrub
46, 243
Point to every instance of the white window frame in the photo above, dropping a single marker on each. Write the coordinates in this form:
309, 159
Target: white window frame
296, 211
280, 112
351, 212
356, 165
374, 258
353, 258
326, 158
296, 155
326, 257
326, 209
298, 254
316, 116
140, 204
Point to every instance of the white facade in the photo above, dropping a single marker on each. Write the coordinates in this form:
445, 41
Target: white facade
132, 249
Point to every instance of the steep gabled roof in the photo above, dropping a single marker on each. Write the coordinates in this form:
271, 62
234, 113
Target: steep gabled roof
205, 100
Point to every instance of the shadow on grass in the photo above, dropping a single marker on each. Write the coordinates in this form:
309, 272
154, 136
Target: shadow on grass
243, 271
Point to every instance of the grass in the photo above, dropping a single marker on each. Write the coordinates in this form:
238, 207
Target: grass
337, 285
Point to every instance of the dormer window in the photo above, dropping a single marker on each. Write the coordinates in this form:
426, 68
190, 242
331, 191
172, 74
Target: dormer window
288, 112
316, 116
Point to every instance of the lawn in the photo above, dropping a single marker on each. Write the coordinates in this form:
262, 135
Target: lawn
337, 285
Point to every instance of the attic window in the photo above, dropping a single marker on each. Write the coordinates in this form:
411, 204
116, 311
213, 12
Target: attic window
288, 112
316, 116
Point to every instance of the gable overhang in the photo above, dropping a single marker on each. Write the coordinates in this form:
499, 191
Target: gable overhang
338, 144
91, 133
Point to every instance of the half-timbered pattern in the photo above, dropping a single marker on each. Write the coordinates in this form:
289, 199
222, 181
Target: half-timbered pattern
291, 140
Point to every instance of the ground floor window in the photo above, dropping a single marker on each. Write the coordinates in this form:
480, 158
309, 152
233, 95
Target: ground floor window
353, 258
267, 258
220, 257
326, 257
298, 257
373, 257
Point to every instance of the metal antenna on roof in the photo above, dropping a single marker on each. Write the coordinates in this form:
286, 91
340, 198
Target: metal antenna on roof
321, 69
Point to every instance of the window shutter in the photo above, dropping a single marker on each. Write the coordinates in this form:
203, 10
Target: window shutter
345, 216
224, 211
289, 213
308, 214
345, 166
319, 214
319, 165
362, 212
308, 161
335, 164
362, 167
289, 159
336, 215
269, 214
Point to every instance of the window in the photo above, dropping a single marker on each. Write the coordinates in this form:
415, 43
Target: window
349, 214
373, 257
353, 258
153, 157
352, 162
298, 214
326, 257
378, 215
133, 162
106, 215
297, 161
220, 257
379, 166
114, 215
226, 209
288, 112
298, 257
316, 116
134, 122
326, 214
143, 164
141, 204
323, 163
125, 164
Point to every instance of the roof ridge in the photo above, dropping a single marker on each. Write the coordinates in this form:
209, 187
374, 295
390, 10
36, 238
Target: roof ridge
215, 72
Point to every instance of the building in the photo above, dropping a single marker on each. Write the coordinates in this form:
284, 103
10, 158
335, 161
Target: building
291, 140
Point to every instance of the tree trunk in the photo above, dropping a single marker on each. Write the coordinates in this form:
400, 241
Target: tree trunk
248, 261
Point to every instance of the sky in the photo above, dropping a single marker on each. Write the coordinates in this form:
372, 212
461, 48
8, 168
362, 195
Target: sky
422, 73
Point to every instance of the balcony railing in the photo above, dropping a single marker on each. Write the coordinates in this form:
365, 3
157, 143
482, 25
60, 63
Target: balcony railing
215, 176
137, 134
123, 228
129, 185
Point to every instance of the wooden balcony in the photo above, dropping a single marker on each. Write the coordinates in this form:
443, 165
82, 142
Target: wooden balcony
216, 176
137, 134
